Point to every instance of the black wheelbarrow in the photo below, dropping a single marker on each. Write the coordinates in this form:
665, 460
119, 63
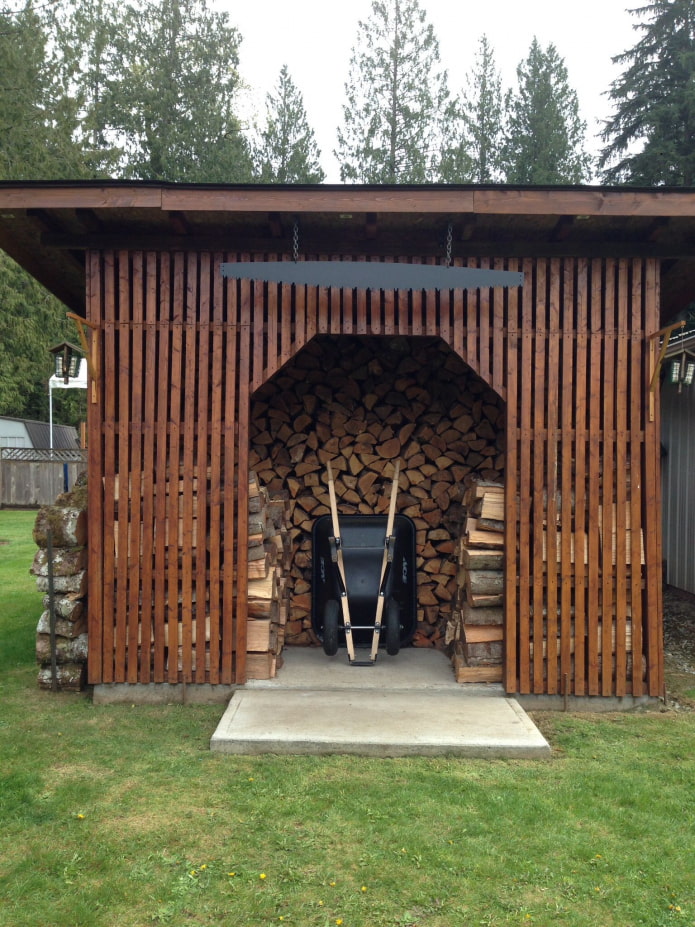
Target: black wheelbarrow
364, 581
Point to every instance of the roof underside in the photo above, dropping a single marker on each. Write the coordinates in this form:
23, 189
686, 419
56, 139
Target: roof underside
47, 227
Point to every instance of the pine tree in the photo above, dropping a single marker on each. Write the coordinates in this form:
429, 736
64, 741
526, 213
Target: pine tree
287, 152
545, 134
651, 136
476, 125
396, 97
173, 104
37, 119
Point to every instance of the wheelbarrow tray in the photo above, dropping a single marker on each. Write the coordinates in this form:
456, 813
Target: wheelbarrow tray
362, 538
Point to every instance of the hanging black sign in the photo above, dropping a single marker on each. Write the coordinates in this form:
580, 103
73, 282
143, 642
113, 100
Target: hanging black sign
372, 275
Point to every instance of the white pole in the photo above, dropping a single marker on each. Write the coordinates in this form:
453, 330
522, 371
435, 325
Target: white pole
50, 416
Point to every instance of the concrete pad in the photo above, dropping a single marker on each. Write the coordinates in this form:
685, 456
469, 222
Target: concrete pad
405, 706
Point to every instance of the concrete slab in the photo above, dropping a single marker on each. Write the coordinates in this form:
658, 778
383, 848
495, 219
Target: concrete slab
405, 706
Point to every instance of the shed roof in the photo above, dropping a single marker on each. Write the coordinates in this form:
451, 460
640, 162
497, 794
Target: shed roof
47, 226
64, 436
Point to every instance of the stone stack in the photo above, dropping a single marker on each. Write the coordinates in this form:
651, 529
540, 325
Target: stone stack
66, 520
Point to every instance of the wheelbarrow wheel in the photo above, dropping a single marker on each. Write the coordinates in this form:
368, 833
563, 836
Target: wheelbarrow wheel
330, 628
393, 628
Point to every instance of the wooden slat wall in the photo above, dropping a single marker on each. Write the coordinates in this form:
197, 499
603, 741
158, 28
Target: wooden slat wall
184, 349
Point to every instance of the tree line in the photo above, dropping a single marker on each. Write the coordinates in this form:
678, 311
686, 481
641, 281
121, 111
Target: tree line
94, 89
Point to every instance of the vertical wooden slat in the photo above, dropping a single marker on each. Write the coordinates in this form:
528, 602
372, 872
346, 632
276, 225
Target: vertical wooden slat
137, 528
286, 317
389, 307
458, 320
272, 322
242, 497
149, 420
551, 477
580, 455
110, 449
484, 315
499, 367
636, 426
608, 474
174, 469
203, 461
416, 300
300, 337
236, 312
95, 487
323, 310
652, 505
622, 476
594, 500
431, 320
402, 306
217, 431
569, 541
163, 474
470, 303
525, 479
511, 492
538, 472
335, 306
123, 538
259, 305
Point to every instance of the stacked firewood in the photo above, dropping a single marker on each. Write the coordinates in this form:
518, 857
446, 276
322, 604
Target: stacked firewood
475, 630
61, 637
268, 554
362, 404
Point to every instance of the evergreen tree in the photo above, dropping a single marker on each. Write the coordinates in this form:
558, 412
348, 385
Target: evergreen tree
651, 136
86, 36
475, 125
287, 152
545, 135
396, 97
37, 119
173, 104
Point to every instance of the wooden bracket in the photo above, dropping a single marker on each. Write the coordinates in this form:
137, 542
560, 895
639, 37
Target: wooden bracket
655, 360
90, 350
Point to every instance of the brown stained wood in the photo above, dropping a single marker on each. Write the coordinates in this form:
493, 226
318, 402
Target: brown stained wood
580, 454
188, 542
216, 498
300, 334
123, 458
483, 366
95, 529
177, 315
272, 327
137, 525
567, 453
594, 497
459, 340
238, 322
201, 497
323, 317
335, 306
389, 308
285, 311
621, 457
431, 318
636, 366
538, 467
159, 610
242, 511
652, 505
553, 464
257, 342
512, 487
525, 439
416, 299
147, 593
608, 469
499, 366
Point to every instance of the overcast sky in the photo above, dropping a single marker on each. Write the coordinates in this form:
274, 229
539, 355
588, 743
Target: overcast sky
314, 38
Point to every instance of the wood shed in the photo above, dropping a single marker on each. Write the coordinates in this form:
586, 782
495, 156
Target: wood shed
194, 375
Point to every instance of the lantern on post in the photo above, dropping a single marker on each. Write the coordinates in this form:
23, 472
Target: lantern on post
67, 360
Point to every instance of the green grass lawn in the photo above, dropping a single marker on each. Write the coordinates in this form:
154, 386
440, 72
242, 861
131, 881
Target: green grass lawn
120, 816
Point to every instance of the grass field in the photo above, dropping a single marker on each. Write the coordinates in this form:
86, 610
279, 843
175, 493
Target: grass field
121, 816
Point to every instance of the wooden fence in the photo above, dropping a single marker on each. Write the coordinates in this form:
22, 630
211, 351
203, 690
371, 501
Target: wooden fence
31, 478
184, 349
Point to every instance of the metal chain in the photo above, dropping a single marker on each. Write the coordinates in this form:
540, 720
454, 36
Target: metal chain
449, 238
295, 242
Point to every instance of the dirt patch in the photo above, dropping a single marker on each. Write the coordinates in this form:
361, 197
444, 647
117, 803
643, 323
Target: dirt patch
679, 647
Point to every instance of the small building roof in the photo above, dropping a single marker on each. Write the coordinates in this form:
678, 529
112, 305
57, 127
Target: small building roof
48, 226
64, 436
